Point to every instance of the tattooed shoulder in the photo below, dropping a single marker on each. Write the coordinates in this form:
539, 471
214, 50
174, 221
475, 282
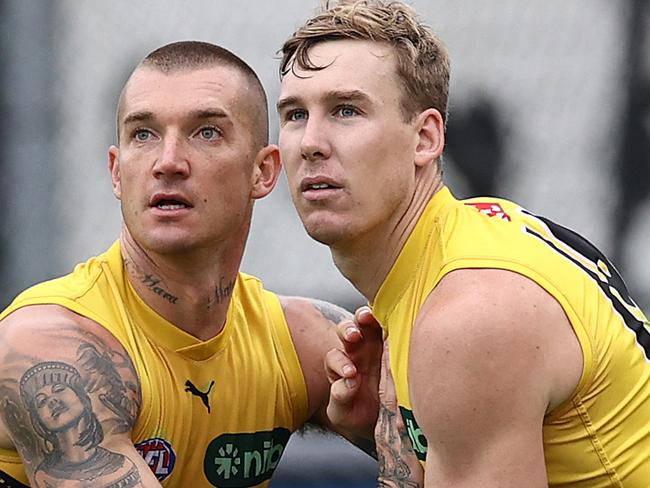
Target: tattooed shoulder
60, 403
331, 312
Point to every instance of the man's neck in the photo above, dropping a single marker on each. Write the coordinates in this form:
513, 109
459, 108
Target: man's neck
367, 260
192, 292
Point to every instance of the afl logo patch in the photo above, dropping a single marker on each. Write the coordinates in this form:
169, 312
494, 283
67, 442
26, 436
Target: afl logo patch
159, 455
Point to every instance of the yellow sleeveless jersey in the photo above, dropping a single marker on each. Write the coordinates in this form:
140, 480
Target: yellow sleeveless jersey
600, 437
213, 413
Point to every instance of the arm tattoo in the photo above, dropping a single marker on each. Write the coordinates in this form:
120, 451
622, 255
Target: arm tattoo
59, 413
17, 421
102, 368
331, 312
395, 447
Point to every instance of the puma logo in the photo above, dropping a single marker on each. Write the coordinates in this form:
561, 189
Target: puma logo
189, 386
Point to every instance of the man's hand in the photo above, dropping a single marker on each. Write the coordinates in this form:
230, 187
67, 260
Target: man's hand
398, 465
353, 372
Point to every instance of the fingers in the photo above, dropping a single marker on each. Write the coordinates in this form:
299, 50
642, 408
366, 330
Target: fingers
348, 332
344, 391
364, 317
343, 378
368, 325
362, 332
339, 366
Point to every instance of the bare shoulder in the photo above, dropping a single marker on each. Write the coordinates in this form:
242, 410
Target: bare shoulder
495, 318
312, 324
69, 389
303, 313
484, 358
52, 319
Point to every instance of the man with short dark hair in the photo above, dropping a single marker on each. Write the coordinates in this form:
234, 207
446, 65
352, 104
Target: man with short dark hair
158, 360
518, 355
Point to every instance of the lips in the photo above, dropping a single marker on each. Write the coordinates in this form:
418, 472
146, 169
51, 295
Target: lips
169, 201
319, 183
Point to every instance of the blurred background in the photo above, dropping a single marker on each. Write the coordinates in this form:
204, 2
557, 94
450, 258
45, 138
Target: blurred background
550, 107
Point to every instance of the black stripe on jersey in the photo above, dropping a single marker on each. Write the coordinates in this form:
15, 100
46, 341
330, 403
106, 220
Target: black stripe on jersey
590, 252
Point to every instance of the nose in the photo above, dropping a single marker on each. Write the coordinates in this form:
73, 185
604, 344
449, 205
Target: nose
314, 145
172, 161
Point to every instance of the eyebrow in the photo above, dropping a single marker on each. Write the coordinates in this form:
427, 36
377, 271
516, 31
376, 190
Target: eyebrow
330, 96
137, 117
146, 116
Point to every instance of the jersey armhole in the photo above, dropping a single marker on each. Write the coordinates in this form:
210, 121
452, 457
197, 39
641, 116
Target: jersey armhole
288, 357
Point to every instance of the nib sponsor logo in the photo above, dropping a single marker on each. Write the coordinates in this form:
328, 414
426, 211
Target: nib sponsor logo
418, 440
240, 460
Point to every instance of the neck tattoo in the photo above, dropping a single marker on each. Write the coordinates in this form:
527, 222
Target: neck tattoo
150, 281
223, 292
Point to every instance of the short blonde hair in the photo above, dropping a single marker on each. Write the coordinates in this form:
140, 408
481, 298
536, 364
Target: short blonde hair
193, 55
421, 58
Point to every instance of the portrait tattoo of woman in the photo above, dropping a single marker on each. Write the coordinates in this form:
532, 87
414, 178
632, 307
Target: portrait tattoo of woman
61, 413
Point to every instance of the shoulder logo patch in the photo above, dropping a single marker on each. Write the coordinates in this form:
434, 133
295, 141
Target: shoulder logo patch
490, 209
159, 455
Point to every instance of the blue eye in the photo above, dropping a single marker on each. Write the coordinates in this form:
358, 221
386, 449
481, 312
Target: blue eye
347, 111
142, 135
209, 133
297, 115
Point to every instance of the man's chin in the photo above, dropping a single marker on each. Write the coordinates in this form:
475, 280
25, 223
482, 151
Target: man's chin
170, 246
325, 233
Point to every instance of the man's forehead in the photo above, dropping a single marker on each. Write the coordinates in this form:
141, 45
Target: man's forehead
149, 82
150, 89
348, 66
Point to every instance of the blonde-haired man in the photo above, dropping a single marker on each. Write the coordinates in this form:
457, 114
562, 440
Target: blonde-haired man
519, 357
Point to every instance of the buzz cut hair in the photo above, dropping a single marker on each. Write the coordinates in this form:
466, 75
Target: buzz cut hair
422, 61
193, 55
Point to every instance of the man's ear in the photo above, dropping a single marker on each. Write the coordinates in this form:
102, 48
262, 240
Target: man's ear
114, 168
266, 171
431, 137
